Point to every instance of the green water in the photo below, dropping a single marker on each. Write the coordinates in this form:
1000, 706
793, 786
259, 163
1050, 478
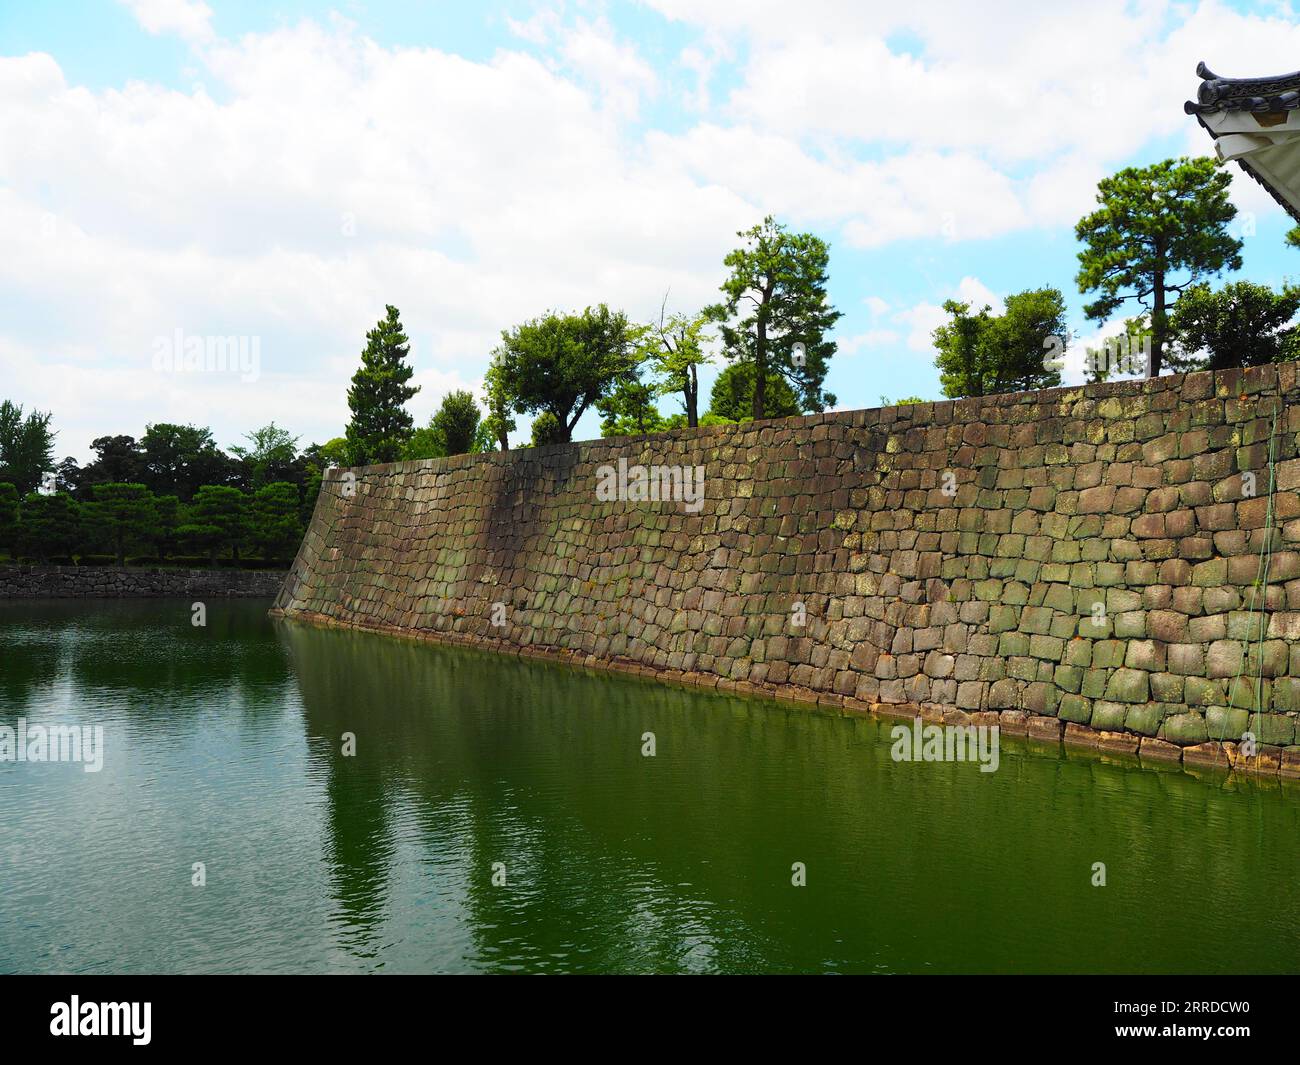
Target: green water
222, 746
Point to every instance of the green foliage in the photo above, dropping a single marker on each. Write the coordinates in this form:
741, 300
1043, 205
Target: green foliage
316, 459
774, 297
201, 537
122, 515
271, 455
1153, 224
380, 422
166, 518
1124, 353
274, 523
26, 446
1293, 237
424, 443
453, 429
675, 351
630, 409
981, 354
117, 461
547, 430
500, 422
456, 422
1241, 324
49, 525
8, 516
176, 459
906, 401
217, 519
732, 397
563, 363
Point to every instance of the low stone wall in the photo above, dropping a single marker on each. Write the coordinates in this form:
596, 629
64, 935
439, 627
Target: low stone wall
1115, 565
115, 582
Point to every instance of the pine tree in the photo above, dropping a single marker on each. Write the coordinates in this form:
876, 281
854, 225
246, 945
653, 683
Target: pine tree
381, 424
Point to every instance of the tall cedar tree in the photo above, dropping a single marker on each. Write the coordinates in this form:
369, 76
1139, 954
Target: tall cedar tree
775, 297
1156, 223
380, 422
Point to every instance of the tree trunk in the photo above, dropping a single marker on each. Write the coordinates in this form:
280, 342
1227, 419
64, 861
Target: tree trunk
692, 397
1158, 324
760, 370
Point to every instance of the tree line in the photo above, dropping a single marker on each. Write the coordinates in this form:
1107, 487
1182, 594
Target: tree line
772, 323
173, 495
1158, 235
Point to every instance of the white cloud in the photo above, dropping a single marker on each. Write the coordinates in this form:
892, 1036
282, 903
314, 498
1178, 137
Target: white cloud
872, 338
326, 175
335, 176
187, 19
923, 318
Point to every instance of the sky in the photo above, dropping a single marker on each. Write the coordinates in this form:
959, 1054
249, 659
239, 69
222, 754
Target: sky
280, 172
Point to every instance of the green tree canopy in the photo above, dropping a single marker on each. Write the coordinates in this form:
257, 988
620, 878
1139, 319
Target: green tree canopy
774, 298
49, 525
452, 430
983, 353
630, 409
732, 397
675, 348
546, 429
176, 459
118, 460
8, 516
217, 518
1241, 324
500, 422
26, 446
272, 455
166, 520
562, 364
380, 421
1155, 224
274, 523
122, 514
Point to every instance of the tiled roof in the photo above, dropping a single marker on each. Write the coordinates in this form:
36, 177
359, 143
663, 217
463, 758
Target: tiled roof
1219, 98
1281, 93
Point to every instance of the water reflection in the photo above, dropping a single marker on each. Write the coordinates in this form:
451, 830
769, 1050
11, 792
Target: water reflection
683, 861
223, 746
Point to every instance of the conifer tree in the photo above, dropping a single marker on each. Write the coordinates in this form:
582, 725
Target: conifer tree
381, 424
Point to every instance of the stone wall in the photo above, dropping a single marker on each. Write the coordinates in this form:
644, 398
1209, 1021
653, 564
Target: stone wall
114, 582
1106, 564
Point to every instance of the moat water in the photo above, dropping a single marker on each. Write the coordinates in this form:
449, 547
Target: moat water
500, 815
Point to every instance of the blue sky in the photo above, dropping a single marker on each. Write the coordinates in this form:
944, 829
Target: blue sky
278, 172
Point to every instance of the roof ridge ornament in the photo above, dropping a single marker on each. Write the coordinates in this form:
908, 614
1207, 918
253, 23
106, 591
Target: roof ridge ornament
1250, 121
1280, 92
